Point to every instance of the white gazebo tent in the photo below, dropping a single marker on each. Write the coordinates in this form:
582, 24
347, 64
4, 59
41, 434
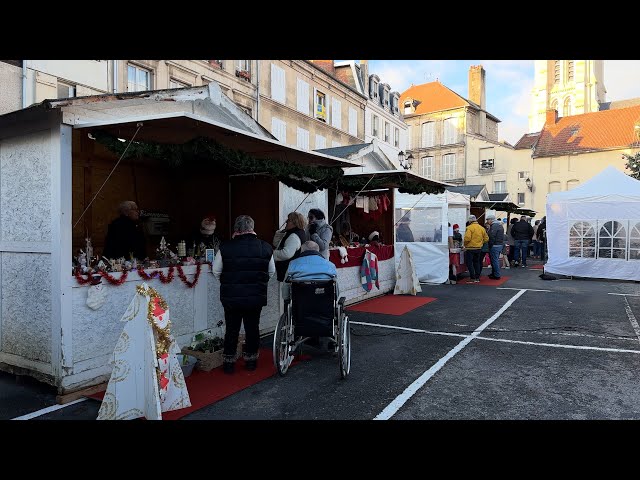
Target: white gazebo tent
594, 230
428, 218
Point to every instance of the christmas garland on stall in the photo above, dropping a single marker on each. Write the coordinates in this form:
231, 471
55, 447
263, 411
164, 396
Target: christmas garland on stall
305, 178
405, 184
144, 275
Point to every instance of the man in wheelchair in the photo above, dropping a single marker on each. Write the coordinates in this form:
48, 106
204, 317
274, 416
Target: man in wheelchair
310, 265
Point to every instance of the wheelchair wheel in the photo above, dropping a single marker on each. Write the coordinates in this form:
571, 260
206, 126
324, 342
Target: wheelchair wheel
282, 339
344, 347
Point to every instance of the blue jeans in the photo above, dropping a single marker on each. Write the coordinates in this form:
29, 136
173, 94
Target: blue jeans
494, 254
521, 246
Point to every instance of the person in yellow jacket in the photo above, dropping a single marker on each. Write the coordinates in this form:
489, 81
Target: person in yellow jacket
474, 237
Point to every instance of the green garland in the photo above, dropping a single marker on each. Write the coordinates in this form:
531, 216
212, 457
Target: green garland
205, 151
404, 184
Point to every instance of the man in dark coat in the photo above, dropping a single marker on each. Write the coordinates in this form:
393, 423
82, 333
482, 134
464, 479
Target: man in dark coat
522, 233
244, 265
124, 236
496, 244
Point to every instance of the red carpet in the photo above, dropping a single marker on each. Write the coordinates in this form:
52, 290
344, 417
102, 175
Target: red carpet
206, 388
484, 280
391, 304
537, 267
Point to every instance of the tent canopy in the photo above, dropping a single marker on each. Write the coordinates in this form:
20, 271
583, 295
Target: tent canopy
594, 230
404, 180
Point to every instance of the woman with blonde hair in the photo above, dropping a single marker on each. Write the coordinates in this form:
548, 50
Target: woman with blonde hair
288, 242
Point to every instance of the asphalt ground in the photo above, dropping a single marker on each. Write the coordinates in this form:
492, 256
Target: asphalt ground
567, 349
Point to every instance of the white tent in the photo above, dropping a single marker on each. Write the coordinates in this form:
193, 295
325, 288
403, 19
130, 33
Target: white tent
427, 217
594, 229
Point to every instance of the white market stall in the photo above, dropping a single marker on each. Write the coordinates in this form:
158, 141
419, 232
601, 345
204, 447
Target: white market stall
52, 164
593, 230
422, 225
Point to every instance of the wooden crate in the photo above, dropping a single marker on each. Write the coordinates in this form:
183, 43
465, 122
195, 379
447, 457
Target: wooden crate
209, 361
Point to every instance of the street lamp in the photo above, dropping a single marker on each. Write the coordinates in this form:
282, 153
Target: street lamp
405, 162
529, 184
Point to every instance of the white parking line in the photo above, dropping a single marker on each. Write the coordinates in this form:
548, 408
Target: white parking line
52, 408
527, 289
401, 399
625, 294
632, 318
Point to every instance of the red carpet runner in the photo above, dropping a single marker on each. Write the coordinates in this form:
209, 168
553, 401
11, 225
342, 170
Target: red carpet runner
484, 280
391, 304
206, 388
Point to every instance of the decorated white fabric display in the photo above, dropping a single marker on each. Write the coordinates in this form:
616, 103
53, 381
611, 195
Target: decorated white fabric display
147, 378
96, 296
406, 279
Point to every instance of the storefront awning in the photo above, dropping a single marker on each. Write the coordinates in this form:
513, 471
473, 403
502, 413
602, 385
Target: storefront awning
508, 207
181, 127
404, 180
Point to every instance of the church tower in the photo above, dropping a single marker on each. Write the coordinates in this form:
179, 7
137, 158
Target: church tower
571, 87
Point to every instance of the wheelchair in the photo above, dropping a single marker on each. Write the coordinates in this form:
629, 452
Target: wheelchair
312, 311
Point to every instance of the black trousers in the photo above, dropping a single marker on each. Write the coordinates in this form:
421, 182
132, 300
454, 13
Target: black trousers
474, 262
233, 318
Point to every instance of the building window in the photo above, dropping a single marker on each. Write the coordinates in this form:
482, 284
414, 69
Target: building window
353, 122
375, 126
320, 106
336, 113
449, 166
386, 98
566, 110
387, 133
570, 70
279, 129
277, 84
138, 79
450, 131
572, 184
520, 198
554, 187
582, 240
321, 142
428, 134
408, 107
216, 63
374, 89
556, 72
396, 137
243, 69
302, 138
522, 175
427, 167
66, 91
173, 83
612, 240
487, 158
500, 186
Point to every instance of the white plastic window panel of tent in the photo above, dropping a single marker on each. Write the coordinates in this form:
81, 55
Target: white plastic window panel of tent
582, 240
425, 224
634, 240
302, 96
427, 167
353, 121
336, 113
277, 84
302, 138
449, 166
450, 131
428, 134
612, 239
279, 129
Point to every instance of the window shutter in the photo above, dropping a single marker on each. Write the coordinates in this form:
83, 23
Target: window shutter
336, 113
279, 129
302, 93
353, 122
277, 84
321, 142
303, 138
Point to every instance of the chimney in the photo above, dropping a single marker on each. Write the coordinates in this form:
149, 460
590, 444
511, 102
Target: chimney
552, 117
326, 65
364, 72
476, 86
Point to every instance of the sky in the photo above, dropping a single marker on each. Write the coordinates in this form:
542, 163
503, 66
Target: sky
508, 84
